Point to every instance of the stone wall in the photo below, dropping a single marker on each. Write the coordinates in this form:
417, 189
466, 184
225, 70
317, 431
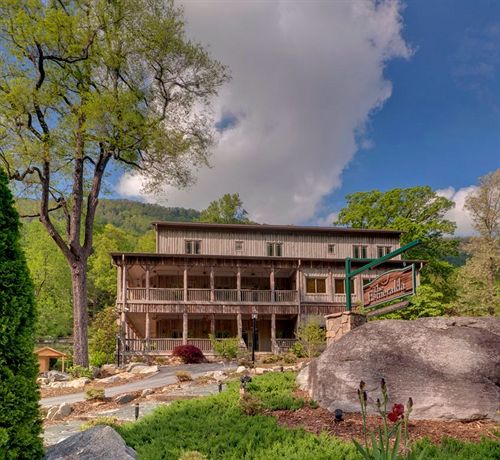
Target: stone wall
339, 324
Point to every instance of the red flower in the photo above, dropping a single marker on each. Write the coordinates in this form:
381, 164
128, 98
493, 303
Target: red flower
397, 412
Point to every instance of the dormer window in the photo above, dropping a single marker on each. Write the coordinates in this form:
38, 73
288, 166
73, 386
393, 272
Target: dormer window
274, 249
192, 246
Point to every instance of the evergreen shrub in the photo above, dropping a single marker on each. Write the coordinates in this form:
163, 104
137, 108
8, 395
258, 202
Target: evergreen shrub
20, 422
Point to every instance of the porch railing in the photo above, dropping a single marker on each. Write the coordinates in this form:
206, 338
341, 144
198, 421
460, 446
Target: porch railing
138, 346
199, 295
226, 295
285, 296
285, 344
255, 296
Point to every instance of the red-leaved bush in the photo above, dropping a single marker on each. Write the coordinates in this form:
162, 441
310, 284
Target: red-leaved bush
189, 354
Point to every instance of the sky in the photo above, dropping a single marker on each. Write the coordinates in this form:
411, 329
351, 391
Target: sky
332, 97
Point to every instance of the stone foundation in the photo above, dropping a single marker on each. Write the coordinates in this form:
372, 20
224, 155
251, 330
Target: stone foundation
339, 324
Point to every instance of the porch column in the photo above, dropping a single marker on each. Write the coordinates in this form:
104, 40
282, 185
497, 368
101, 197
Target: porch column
185, 284
273, 332
147, 283
330, 285
212, 284
212, 325
271, 282
239, 325
147, 332
238, 284
299, 294
184, 328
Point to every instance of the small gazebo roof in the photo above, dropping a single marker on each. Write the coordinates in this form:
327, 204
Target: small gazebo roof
50, 352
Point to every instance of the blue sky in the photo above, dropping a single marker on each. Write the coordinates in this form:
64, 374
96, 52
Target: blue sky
331, 97
441, 125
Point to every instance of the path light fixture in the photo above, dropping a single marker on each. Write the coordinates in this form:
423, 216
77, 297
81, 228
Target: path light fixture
254, 335
220, 387
136, 411
338, 415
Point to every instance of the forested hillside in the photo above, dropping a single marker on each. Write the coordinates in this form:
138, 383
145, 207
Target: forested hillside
121, 225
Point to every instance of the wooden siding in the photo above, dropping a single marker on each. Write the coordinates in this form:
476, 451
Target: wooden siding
172, 241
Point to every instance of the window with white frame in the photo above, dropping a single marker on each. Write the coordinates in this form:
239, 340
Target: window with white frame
274, 249
383, 250
316, 285
360, 251
192, 246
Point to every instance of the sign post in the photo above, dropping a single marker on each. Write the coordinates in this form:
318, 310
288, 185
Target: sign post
349, 274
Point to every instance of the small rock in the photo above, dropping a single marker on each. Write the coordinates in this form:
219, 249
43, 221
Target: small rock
111, 379
51, 412
56, 376
219, 376
262, 370
109, 369
43, 381
100, 442
124, 398
64, 409
143, 369
132, 366
241, 369
146, 392
77, 383
59, 412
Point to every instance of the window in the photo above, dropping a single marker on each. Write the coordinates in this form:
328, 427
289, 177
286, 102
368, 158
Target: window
331, 249
274, 249
316, 285
383, 250
239, 246
192, 246
340, 286
360, 251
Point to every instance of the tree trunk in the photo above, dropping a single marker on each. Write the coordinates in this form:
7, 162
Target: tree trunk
80, 313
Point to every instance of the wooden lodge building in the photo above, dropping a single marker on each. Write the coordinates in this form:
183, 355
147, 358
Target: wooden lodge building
211, 278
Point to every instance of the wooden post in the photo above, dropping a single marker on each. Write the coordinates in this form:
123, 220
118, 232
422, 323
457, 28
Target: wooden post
212, 284
148, 326
239, 325
147, 283
212, 325
185, 284
238, 284
330, 285
271, 281
299, 294
184, 328
273, 332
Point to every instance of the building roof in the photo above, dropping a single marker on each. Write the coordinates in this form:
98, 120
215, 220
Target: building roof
50, 352
265, 228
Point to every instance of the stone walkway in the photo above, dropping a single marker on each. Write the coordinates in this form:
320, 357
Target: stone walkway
56, 433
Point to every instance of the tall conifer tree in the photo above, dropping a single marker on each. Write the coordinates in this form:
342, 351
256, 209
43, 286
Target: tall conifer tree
20, 424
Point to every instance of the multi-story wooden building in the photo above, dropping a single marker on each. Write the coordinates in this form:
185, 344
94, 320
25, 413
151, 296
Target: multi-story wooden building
213, 278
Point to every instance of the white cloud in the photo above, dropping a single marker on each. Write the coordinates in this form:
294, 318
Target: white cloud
306, 78
459, 214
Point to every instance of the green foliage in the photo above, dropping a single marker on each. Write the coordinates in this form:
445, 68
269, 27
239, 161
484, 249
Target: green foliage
93, 394
275, 390
226, 210
77, 371
417, 211
223, 433
453, 449
192, 455
20, 424
427, 302
312, 337
251, 404
298, 350
227, 348
102, 337
183, 376
103, 420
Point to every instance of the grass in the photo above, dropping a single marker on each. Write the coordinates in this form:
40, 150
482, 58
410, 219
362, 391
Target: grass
216, 427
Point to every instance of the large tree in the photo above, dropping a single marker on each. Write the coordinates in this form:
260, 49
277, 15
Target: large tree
417, 211
20, 424
226, 210
478, 281
93, 87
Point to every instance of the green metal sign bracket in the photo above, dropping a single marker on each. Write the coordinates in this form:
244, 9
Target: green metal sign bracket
349, 274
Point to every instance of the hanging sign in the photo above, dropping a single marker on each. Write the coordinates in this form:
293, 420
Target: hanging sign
389, 286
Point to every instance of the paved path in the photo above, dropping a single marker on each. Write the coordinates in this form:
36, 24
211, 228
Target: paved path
165, 376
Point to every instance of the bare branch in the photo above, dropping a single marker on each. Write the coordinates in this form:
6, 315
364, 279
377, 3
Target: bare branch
59, 206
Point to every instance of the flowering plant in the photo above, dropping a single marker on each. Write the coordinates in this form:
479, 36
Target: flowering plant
381, 448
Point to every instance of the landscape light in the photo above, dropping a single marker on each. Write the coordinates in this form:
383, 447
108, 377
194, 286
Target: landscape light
136, 411
338, 415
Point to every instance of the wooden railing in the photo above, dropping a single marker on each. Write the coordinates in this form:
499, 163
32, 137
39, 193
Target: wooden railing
226, 295
138, 346
199, 295
203, 344
285, 344
204, 295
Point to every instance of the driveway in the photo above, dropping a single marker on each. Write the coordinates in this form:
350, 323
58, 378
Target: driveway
165, 376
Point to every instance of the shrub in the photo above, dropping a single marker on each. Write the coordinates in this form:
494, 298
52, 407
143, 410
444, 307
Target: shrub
289, 358
20, 424
192, 455
312, 337
189, 354
93, 394
298, 350
271, 359
102, 337
80, 371
183, 376
313, 404
226, 348
104, 420
251, 404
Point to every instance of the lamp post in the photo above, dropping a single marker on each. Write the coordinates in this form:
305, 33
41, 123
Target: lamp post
254, 335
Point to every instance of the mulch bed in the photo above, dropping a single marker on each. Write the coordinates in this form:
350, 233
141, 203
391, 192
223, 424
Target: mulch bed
320, 420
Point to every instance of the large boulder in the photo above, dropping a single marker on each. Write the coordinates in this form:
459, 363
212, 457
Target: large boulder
449, 366
98, 443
